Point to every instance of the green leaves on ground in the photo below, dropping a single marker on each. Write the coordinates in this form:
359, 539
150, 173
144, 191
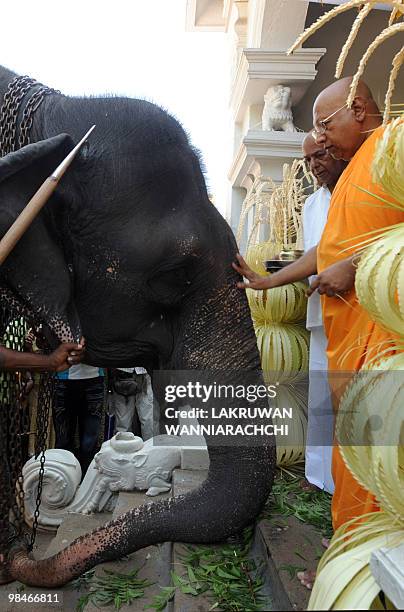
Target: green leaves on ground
82, 581
224, 573
160, 601
290, 499
113, 588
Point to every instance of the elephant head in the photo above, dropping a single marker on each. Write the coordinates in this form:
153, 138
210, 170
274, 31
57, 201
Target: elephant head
131, 253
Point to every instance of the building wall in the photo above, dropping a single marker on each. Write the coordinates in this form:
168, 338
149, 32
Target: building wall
332, 36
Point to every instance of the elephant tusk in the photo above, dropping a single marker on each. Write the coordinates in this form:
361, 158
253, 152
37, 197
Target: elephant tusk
37, 202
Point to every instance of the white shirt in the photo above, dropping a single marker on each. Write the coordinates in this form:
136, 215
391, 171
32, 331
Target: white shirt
81, 371
315, 212
137, 370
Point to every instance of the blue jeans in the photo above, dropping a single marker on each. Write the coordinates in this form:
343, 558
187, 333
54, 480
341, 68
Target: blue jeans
79, 403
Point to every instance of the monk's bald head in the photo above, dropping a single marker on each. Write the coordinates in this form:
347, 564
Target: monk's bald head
337, 93
340, 129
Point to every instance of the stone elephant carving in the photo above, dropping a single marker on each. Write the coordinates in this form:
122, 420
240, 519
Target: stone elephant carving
124, 463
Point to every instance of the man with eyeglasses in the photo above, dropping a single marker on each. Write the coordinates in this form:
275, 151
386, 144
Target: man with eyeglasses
326, 171
349, 133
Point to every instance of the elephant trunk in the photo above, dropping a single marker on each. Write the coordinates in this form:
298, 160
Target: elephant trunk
226, 502
217, 335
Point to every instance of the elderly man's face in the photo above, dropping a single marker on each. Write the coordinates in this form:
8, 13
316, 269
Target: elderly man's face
324, 168
338, 129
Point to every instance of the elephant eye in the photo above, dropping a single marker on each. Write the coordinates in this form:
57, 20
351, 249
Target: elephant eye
170, 285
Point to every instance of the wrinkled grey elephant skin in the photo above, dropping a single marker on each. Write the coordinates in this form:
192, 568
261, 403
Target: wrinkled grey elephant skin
131, 253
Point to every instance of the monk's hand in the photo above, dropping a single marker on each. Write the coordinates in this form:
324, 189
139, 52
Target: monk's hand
335, 280
255, 281
66, 355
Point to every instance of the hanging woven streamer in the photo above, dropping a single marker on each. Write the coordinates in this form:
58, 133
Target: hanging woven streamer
278, 313
284, 350
276, 210
364, 7
292, 451
286, 304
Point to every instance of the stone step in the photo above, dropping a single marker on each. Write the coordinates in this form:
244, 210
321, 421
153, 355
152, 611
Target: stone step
74, 526
289, 546
64, 598
185, 481
154, 561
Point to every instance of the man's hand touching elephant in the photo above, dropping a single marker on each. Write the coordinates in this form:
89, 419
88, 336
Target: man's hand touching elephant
336, 279
66, 355
255, 281
298, 270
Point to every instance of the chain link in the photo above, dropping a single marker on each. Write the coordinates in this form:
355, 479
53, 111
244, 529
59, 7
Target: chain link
14, 414
13, 97
12, 406
14, 430
12, 101
46, 396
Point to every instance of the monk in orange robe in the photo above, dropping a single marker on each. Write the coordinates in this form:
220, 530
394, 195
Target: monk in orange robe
353, 337
349, 134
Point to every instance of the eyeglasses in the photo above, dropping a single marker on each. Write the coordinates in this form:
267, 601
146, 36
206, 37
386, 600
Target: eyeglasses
323, 124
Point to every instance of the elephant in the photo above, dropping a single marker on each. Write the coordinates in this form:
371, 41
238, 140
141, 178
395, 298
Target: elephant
130, 253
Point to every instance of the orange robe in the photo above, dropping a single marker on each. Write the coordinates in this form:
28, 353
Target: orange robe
353, 338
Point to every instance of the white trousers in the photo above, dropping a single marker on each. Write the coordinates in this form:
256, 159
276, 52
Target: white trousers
320, 429
124, 410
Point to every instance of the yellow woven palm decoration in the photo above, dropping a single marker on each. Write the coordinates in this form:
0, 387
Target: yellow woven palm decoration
277, 313
364, 6
291, 450
370, 429
388, 162
276, 209
344, 580
257, 254
379, 279
286, 304
370, 422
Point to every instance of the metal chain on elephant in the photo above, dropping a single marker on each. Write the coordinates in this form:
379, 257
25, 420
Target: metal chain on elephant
15, 425
45, 400
13, 98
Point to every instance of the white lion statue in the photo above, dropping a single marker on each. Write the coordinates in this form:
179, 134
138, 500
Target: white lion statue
277, 113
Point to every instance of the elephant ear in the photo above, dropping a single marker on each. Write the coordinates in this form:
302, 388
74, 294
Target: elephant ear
36, 271
44, 152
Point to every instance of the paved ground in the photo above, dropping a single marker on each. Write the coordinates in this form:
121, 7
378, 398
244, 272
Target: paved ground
282, 545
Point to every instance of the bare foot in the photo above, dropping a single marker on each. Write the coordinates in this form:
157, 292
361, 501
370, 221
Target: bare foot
307, 578
305, 485
325, 542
